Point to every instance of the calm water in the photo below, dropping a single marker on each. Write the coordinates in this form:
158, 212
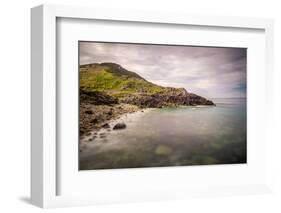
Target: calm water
172, 137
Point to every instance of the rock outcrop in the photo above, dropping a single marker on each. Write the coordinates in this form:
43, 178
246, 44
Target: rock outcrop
159, 100
97, 98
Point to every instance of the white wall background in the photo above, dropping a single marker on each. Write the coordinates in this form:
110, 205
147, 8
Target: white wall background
15, 105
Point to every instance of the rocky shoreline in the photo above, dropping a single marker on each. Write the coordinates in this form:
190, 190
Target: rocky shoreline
98, 109
172, 98
95, 117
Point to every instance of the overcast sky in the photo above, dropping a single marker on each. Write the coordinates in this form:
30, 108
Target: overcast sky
209, 72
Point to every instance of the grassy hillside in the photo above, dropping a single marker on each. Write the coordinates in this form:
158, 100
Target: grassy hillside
114, 80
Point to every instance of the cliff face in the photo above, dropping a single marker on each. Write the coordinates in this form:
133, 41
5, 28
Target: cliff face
97, 98
109, 83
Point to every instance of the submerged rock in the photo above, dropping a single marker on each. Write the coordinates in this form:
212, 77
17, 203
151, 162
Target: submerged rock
102, 135
163, 150
92, 138
119, 126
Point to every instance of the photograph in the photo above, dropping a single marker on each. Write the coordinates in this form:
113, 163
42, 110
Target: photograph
161, 105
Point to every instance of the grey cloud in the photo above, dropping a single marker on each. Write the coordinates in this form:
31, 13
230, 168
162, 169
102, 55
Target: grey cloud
207, 71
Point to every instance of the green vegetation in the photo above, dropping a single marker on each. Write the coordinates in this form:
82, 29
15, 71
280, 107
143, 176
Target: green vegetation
115, 80
110, 79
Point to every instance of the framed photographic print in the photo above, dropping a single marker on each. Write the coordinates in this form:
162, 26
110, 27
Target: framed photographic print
130, 120
149, 106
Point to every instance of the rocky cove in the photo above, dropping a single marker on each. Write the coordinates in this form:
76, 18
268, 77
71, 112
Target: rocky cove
108, 91
116, 123
97, 109
95, 117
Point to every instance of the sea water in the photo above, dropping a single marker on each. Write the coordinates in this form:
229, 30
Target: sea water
182, 136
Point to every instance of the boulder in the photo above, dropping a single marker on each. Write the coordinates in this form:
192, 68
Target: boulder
119, 126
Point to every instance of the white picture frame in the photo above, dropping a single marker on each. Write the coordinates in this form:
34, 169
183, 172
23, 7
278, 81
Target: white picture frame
44, 153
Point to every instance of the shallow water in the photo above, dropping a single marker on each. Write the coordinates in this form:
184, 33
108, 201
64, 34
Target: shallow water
171, 137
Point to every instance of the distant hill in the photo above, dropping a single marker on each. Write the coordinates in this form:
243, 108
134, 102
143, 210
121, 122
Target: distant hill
113, 80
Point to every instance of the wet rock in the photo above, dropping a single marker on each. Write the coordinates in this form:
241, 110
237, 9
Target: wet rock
119, 126
102, 135
106, 126
91, 139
